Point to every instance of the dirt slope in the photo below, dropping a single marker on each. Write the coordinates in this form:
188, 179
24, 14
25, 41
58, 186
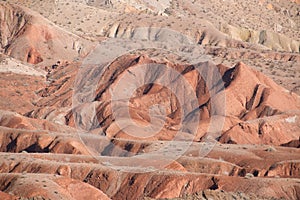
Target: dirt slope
163, 99
27, 36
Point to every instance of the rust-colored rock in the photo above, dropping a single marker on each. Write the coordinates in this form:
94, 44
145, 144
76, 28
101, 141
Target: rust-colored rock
149, 124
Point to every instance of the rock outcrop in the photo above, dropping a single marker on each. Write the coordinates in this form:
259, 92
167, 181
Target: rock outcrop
254, 109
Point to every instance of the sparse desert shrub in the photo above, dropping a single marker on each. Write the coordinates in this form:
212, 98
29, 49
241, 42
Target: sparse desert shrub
270, 149
249, 175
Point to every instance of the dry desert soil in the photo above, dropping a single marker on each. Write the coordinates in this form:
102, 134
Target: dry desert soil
149, 99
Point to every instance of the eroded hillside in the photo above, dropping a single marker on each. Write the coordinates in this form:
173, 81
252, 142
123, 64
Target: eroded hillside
149, 99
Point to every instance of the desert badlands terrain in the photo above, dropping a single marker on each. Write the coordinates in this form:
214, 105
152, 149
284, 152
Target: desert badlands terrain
149, 99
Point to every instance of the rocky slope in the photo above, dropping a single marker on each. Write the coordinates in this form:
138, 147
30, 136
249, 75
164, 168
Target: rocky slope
247, 30
149, 99
228, 168
262, 120
26, 36
248, 104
